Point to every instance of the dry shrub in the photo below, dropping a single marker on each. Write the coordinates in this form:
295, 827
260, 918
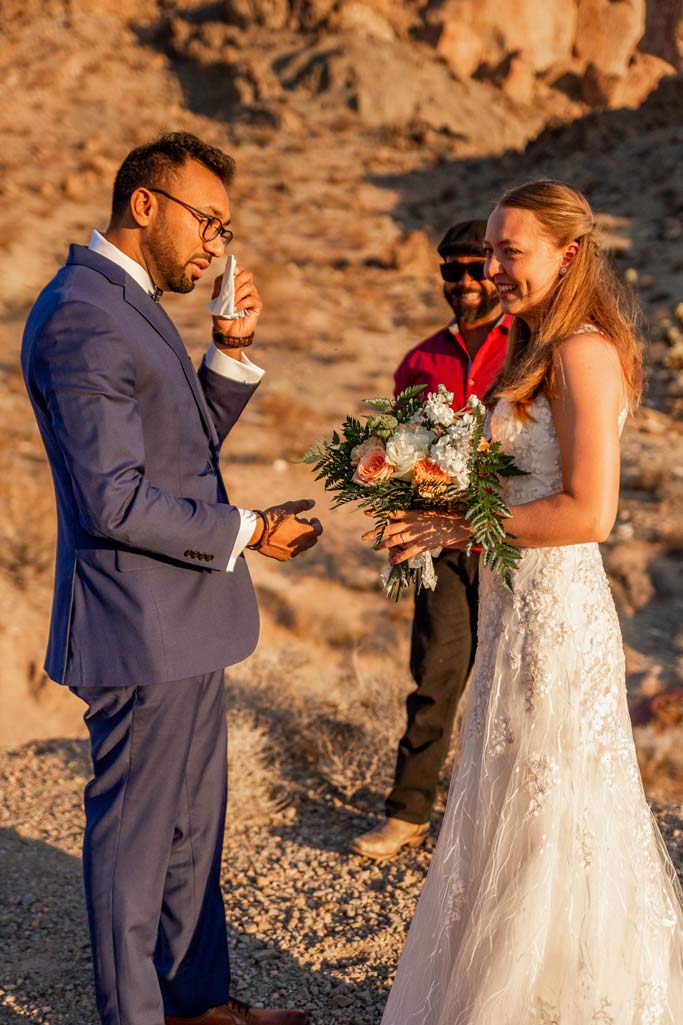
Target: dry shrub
252, 773
335, 723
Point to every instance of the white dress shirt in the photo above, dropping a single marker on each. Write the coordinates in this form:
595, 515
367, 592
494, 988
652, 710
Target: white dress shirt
242, 370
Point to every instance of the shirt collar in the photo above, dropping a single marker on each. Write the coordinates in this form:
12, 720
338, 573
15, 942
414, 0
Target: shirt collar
502, 324
100, 245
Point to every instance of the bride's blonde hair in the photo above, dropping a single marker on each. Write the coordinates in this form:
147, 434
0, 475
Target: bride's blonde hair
590, 292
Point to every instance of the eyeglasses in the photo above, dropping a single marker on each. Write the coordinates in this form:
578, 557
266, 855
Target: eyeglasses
210, 227
456, 271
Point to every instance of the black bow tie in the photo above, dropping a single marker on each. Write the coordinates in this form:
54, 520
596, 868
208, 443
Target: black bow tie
155, 295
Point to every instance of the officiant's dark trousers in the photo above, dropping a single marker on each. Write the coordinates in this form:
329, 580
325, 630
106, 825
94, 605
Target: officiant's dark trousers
443, 643
155, 813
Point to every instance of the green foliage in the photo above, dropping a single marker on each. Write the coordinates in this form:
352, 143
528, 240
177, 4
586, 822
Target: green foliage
382, 426
383, 405
409, 402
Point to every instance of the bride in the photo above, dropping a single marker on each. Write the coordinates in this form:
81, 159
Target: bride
551, 899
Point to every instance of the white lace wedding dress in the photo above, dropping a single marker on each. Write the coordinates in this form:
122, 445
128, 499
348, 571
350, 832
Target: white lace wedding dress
551, 899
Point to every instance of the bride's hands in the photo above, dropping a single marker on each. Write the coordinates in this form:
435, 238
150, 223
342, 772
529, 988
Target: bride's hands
410, 533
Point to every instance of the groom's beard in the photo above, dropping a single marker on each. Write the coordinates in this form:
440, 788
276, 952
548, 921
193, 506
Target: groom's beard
465, 313
176, 275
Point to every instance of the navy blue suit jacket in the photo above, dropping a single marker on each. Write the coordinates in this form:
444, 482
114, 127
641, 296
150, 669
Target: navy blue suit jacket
145, 528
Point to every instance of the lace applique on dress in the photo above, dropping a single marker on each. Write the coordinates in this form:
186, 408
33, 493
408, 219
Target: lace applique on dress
501, 736
543, 1013
651, 1003
585, 841
602, 1016
545, 630
542, 776
456, 897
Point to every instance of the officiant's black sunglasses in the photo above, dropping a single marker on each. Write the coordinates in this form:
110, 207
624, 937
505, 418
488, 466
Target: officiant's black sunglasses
211, 227
455, 271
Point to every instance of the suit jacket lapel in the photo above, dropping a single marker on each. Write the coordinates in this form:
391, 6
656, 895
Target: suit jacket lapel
164, 326
136, 297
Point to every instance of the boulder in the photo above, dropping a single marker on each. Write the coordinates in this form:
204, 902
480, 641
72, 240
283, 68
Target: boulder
460, 45
470, 34
336, 73
644, 74
516, 79
607, 33
366, 21
381, 19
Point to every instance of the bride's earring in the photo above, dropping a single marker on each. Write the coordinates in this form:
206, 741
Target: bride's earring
563, 271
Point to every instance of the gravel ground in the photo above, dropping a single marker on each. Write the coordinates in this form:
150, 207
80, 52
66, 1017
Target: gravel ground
311, 925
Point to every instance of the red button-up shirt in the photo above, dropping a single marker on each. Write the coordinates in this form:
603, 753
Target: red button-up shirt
444, 359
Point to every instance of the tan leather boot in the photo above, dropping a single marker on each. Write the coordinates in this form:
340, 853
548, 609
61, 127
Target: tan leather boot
387, 839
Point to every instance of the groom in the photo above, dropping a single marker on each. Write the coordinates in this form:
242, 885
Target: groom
152, 594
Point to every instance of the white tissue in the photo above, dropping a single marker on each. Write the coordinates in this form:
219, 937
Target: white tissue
224, 303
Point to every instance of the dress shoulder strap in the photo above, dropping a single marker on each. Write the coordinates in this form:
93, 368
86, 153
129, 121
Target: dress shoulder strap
584, 329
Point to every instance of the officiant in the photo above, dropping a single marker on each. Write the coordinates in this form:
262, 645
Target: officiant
466, 355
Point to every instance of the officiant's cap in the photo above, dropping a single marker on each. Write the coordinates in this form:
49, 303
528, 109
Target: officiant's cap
464, 238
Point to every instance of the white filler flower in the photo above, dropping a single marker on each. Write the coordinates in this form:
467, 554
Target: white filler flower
451, 453
438, 407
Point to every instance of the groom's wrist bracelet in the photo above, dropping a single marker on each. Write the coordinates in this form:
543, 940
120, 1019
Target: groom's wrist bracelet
231, 342
262, 536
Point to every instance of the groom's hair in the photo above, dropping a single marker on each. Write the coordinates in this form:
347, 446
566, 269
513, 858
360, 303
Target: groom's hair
152, 165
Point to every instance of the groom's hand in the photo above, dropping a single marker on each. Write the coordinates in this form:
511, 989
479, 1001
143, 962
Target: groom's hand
287, 533
246, 298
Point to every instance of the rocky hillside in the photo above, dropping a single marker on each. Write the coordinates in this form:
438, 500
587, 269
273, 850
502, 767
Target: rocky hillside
361, 131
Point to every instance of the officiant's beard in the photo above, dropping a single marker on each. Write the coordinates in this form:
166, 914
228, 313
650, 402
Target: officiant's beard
466, 314
173, 275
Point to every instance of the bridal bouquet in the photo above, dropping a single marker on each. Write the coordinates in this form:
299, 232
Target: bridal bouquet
412, 453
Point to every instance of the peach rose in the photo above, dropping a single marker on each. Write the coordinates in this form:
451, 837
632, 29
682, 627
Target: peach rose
483, 445
429, 479
371, 462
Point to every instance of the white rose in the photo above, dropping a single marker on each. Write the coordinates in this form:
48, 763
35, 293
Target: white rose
408, 443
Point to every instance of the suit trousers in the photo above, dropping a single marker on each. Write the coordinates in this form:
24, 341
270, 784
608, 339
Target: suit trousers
443, 644
155, 815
